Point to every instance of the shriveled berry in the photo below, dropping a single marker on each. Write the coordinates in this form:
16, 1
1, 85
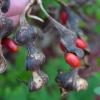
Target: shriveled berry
62, 47
63, 17
72, 60
81, 44
10, 44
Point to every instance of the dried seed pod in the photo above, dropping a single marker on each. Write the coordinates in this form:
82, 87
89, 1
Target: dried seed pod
38, 80
68, 37
73, 21
26, 34
34, 58
5, 5
65, 80
70, 81
70, 46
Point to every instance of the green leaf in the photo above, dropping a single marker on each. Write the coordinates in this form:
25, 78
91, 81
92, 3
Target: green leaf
98, 61
97, 28
18, 93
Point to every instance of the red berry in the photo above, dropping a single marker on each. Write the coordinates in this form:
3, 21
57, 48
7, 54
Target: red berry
63, 17
72, 60
62, 47
10, 44
81, 44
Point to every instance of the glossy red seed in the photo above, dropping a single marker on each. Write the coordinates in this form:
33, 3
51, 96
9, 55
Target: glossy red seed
81, 44
62, 47
63, 17
72, 60
10, 44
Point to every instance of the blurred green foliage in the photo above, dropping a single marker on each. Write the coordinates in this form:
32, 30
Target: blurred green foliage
11, 89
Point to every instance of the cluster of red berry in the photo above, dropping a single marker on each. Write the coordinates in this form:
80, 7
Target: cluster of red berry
72, 59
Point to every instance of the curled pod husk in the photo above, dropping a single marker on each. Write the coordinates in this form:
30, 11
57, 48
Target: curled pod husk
38, 80
34, 58
73, 24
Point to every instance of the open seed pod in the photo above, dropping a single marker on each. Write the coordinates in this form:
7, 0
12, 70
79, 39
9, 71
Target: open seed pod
70, 81
67, 36
73, 24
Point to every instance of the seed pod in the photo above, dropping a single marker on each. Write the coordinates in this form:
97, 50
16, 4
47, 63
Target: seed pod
5, 5
65, 80
25, 34
38, 80
68, 37
70, 46
34, 58
70, 81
